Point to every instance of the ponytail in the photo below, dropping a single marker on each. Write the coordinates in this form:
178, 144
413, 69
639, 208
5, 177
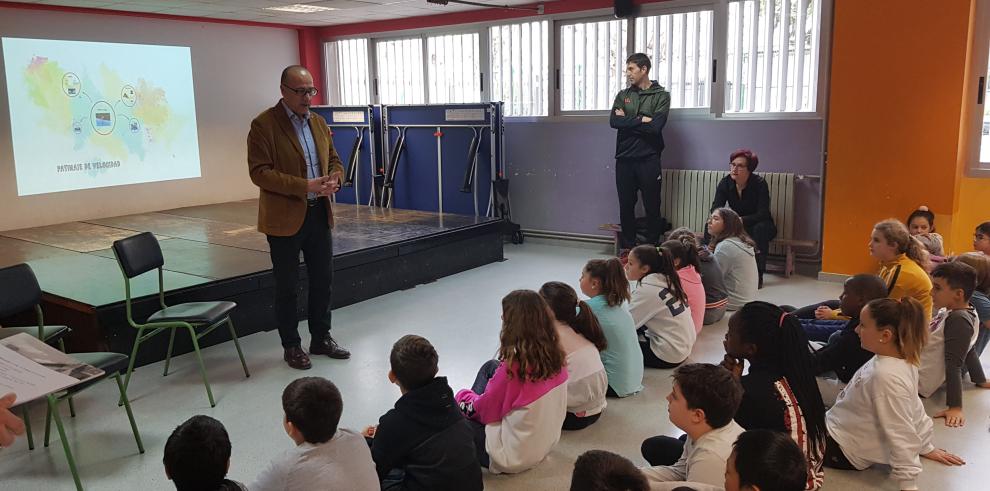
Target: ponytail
659, 261
684, 250
566, 307
610, 273
896, 234
905, 318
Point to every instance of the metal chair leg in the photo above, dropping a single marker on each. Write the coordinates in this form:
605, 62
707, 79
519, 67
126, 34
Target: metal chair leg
27, 426
233, 335
130, 415
168, 356
72, 407
130, 365
53, 409
48, 424
202, 367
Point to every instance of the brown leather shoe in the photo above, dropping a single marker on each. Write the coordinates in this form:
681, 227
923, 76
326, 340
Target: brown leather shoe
297, 358
330, 348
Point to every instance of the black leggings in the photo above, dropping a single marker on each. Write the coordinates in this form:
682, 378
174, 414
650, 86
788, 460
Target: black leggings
485, 374
574, 422
651, 360
663, 450
808, 311
834, 457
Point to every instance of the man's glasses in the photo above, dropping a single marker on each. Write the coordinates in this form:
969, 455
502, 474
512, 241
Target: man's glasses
311, 91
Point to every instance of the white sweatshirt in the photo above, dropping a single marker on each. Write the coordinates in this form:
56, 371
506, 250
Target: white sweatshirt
669, 325
738, 263
879, 419
703, 461
587, 381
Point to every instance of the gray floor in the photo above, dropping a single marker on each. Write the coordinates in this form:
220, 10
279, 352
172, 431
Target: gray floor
460, 315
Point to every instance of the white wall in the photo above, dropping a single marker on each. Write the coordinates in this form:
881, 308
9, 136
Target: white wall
235, 74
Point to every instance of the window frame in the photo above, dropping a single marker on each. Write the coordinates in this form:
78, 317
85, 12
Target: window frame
980, 52
715, 111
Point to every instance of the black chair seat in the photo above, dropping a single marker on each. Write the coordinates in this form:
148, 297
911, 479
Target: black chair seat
49, 334
110, 363
194, 312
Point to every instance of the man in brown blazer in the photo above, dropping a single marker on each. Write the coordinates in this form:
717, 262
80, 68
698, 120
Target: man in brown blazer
292, 160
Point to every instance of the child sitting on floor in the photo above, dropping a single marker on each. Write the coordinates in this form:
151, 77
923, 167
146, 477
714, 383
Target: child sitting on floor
424, 443
658, 308
951, 337
779, 391
702, 403
716, 298
582, 340
921, 224
604, 283
878, 417
325, 456
598, 470
519, 401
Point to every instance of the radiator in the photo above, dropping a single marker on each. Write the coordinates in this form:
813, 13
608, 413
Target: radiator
687, 197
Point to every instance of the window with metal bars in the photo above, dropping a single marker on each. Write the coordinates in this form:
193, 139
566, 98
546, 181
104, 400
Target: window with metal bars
519, 67
985, 124
592, 61
772, 51
347, 73
680, 49
400, 71
453, 68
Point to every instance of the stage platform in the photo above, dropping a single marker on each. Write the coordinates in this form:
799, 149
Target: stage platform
214, 252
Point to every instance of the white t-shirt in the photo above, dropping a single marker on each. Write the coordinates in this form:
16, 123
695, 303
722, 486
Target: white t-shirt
587, 381
342, 463
879, 419
669, 326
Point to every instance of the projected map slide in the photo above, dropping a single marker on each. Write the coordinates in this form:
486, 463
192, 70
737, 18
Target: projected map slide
87, 115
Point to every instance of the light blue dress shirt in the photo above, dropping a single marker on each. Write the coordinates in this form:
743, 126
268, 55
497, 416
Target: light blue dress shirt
305, 136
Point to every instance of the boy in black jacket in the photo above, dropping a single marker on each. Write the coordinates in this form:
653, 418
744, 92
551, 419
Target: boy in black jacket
424, 443
844, 355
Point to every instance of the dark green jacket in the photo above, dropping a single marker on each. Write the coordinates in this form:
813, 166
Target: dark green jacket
636, 139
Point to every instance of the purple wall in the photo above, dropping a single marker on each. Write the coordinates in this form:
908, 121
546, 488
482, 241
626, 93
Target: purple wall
562, 176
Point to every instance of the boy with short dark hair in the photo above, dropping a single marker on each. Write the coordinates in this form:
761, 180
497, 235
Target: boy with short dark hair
424, 443
766, 460
598, 470
703, 402
844, 354
197, 456
324, 457
954, 329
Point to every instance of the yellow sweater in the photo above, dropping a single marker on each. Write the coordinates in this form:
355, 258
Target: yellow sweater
904, 278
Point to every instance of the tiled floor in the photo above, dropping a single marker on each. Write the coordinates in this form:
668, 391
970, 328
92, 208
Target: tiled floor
460, 315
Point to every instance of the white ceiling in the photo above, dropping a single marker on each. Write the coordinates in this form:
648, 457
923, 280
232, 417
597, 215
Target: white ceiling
347, 11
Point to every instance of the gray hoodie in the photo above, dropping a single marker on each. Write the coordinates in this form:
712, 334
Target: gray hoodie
737, 260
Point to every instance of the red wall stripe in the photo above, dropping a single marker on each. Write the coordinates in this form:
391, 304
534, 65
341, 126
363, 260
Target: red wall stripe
149, 15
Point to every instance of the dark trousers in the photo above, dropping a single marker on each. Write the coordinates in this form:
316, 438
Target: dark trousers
663, 450
762, 233
834, 457
633, 177
574, 422
808, 311
316, 244
485, 374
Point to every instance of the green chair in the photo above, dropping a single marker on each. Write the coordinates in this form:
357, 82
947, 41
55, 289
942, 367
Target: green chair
141, 253
112, 365
19, 292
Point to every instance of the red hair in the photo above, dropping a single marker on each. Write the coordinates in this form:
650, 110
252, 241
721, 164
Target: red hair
752, 160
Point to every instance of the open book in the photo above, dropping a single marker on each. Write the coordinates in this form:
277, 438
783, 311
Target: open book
31, 369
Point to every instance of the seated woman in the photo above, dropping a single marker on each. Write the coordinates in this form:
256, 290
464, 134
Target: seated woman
748, 195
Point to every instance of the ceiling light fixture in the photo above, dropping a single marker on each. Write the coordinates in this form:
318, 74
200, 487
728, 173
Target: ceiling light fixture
300, 8
538, 9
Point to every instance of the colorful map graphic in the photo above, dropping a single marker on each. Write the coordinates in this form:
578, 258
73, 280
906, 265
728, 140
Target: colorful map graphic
87, 115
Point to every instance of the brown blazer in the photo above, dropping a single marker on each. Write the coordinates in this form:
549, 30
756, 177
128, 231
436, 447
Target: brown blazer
277, 166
